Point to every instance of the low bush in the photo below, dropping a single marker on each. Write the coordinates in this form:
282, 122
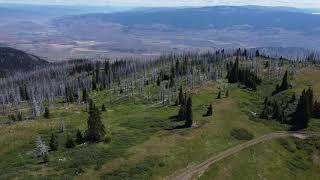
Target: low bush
241, 134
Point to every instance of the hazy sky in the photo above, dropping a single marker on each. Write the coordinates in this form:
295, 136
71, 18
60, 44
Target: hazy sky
291, 3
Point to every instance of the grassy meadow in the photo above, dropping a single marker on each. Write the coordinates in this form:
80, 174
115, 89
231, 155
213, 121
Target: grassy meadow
148, 143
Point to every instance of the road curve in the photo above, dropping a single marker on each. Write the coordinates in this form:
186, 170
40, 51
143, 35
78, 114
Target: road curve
198, 169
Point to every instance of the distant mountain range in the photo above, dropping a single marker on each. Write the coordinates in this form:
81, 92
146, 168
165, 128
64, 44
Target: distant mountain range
59, 32
208, 17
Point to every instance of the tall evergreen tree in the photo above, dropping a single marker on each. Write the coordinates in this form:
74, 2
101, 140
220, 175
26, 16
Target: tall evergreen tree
303, 111
209, 110
285, 84
103, 108
219, 95
276, 111
46, 113
316, 110
96, 129
181, 98
84, 95
182, 111
189, 114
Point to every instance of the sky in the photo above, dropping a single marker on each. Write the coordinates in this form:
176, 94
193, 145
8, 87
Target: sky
170, 3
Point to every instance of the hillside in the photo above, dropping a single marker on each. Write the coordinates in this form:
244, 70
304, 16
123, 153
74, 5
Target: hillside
143, 110
13, 60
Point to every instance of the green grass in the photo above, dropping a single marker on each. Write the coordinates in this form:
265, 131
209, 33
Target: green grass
270, 160
146, 145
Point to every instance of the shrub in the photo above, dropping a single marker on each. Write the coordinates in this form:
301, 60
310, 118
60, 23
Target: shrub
70, 142
287, 145
53, 145
107, 139
241, 134
79, 137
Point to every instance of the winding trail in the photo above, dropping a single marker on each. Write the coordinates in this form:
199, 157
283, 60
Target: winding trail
198, 169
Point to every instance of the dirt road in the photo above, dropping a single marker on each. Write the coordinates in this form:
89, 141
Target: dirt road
198, 169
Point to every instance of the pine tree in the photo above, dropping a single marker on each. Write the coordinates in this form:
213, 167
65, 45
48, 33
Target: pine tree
84, 95
303, 111
94, 82
189, 114
96, 130
70, 142
257, 53
181, 97
103, 108
209, 110
276, 111
182, 111
219, 95
79, 137
53, 145
46, 113
285, 84
293, 98
316, 110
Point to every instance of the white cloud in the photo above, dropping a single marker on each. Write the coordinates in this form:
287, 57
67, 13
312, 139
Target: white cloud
291, 3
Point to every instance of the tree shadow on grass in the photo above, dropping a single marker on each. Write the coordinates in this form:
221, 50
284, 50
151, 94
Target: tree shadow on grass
177, 127
175, 118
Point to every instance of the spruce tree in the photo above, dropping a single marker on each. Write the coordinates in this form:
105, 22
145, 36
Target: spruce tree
219, 95
303, 111
209, 110
316, 110
84, 95
79, 137
182, 111
276, 111
257, 53
46, 113
70, 142
285, 84
53, 144
103, 108
96, 129
181, 97
293, 98
189, 114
